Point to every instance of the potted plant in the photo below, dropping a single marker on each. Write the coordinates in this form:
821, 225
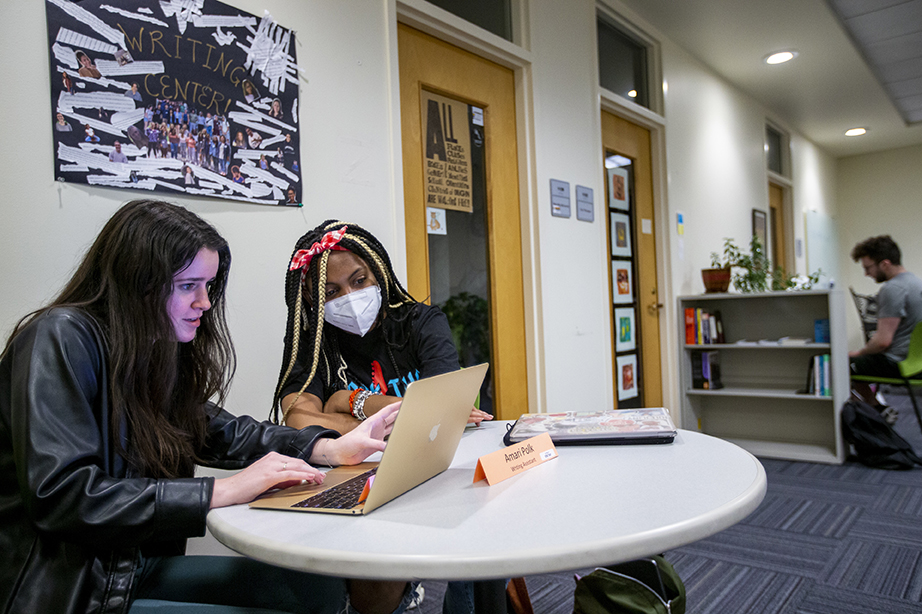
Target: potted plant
717, 278
756, 273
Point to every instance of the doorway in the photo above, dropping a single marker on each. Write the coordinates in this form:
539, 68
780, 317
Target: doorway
635, 305
776, 226
460, 169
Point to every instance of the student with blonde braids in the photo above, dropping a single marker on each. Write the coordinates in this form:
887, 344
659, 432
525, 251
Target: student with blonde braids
354, 341
355, 338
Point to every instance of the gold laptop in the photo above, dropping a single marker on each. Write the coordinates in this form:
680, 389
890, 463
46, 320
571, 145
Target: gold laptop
421, 445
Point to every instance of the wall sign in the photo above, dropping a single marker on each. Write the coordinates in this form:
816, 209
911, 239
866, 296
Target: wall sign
585, 210
560, 198
195, 97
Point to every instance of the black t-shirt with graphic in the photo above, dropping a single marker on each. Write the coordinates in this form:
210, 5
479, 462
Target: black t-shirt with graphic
428, 350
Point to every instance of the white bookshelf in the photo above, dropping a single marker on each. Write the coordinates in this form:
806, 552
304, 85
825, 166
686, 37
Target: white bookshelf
759, 407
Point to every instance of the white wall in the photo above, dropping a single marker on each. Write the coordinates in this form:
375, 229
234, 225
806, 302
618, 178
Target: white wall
350, 151
814, 181
715, 174
878, 194
574, 269
346, 157
717, 168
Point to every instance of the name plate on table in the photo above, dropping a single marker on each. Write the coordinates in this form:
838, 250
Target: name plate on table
503, 464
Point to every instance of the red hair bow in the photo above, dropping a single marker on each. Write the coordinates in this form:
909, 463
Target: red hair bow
302, 257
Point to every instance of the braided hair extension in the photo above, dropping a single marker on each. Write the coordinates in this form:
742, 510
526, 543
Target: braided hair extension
305, 316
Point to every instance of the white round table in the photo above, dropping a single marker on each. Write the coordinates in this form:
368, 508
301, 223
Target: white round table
593, 505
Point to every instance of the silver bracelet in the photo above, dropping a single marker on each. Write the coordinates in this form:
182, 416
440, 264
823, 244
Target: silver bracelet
358, 406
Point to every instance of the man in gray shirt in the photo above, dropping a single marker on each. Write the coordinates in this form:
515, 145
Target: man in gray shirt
899, 309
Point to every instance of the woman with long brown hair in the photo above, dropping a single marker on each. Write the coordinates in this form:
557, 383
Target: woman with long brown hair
106, 407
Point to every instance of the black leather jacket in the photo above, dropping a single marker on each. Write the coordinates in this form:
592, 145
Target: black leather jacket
73, 517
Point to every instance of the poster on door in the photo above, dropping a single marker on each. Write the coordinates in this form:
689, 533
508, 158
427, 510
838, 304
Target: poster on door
174, 97
447, 176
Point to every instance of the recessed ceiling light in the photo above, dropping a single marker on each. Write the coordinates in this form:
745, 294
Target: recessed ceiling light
632, 93
616, 161
780, 57
856, 131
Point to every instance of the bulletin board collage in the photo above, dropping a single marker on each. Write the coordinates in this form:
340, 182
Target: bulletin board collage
193, 97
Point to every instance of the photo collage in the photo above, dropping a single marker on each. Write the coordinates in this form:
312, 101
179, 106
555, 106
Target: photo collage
213, 112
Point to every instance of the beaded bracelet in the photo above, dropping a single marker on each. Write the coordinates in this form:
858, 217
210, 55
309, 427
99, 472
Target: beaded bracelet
358, 407
352, 399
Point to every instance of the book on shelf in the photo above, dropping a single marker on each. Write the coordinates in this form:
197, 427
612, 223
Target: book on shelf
819, 383
821, 330
712, 370
826, 389
699, 331
703, 327
705, 368
689, 325
697, 370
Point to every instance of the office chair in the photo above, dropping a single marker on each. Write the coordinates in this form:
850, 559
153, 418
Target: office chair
910, 366
867, 312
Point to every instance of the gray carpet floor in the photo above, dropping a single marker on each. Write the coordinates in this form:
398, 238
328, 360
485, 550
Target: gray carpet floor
826, 540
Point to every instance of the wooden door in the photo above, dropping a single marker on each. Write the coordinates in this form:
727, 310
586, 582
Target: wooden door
632, 143
435, 78
776, 224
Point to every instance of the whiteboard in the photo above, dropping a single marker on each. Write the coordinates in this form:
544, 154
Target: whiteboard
822, 246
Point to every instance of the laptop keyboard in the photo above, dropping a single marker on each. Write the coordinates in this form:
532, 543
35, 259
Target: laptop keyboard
340, 497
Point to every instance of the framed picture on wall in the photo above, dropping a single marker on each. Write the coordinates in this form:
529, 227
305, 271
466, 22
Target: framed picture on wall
622, 282
625, 331
760, 228
619, 189
626, 369
620, 235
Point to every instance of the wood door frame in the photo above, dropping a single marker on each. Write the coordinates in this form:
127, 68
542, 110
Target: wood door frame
787, 204
430, 19
627, 138
662, 228
431, 64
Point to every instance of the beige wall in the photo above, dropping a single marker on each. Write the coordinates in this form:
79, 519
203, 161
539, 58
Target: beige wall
346, 155
878, 194
713, 169
713, 172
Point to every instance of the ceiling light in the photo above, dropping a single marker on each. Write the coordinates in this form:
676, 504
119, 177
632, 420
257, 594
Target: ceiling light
632, 93
855, 132
616, 161
780, 57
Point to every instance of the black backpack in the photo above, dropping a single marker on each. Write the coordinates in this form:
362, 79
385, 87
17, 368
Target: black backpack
876, 443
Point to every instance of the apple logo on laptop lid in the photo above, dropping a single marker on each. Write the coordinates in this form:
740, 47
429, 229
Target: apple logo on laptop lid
434, 432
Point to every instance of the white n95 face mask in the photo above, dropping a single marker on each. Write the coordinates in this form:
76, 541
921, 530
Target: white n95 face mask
355, 312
